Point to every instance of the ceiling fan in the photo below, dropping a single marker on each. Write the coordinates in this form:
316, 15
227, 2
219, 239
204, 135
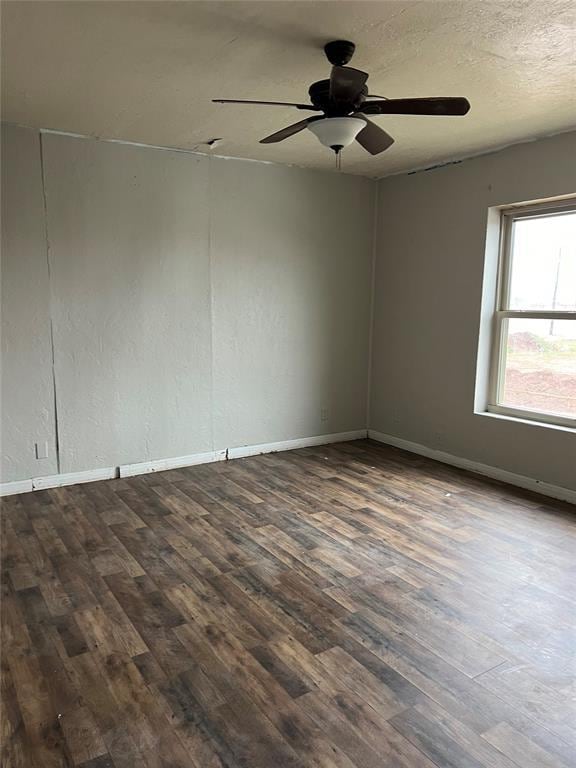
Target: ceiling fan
345, 103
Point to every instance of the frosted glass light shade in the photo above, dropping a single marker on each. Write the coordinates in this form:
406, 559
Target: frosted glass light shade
337, 132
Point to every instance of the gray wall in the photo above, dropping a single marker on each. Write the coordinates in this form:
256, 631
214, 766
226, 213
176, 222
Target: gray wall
26, 358
428, 294
130, 274
291, 261
197, 303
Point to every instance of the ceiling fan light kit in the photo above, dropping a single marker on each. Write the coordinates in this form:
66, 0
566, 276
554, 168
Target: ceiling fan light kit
345, 102
337, 132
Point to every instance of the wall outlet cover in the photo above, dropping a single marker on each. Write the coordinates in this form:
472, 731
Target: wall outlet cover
41, 449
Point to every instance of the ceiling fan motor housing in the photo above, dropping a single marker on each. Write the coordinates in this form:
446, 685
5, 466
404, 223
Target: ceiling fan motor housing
319, 93
339, 52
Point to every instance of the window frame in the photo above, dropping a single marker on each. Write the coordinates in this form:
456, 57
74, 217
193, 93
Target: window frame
502, 314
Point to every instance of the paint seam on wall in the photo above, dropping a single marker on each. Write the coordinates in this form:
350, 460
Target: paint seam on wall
503, 475
211, 295
52, 353
375, 231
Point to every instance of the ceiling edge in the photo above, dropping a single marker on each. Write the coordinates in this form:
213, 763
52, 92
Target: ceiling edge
183, 150
406, 172
462, 158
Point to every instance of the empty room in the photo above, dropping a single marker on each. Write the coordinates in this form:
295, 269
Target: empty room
288, 384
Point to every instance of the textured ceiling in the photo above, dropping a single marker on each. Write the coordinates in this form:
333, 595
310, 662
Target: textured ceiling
146, 72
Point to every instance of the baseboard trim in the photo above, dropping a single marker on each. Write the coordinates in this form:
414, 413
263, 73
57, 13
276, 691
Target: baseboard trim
300, 442
161, 465
522, 481
74, 478
17, 486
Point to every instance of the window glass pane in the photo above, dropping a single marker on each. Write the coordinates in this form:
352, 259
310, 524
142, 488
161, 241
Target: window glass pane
540, 366
544, 263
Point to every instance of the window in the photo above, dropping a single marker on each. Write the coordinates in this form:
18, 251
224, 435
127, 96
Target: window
533, 372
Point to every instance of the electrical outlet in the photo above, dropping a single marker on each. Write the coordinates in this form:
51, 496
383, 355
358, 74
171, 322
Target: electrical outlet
324, 414
41, 450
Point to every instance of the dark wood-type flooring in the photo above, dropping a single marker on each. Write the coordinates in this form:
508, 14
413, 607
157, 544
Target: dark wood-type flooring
350, 606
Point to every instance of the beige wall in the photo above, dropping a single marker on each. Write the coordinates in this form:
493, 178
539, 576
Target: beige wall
431, 244
196, 303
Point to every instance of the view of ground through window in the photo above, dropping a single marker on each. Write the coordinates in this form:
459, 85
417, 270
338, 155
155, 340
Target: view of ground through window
540, 368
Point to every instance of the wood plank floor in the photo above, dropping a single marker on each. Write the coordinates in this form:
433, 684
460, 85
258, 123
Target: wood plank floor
350, 606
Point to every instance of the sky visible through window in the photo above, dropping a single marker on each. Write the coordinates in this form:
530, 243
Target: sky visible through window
540, 363
544, 263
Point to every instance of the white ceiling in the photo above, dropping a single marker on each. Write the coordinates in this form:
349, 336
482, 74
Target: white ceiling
147, 71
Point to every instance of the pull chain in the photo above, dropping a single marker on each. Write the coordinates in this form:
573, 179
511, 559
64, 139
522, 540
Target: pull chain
338, 161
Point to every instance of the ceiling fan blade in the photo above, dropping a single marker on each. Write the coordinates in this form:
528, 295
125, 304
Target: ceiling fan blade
289, 131
268, 103
433, 106
373, 138
346, 83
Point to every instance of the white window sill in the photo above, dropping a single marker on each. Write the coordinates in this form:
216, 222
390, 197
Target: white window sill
525, 420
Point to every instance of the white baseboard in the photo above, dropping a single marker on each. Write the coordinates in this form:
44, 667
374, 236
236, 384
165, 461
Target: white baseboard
18, 486
300, 442
529, 483
74, 478
130, 470
161, 465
